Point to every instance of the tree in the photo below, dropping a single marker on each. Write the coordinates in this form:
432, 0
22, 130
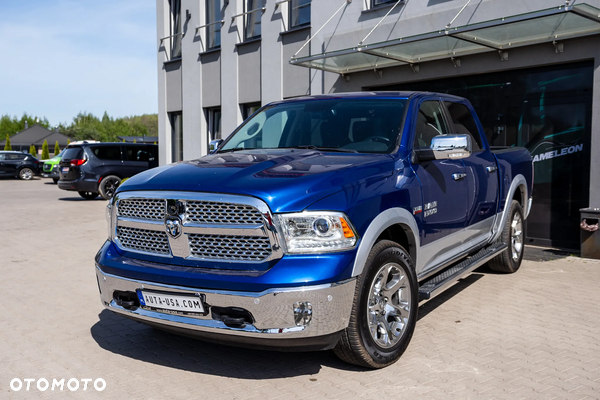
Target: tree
32, 149
7, 145
45, 152
56, 149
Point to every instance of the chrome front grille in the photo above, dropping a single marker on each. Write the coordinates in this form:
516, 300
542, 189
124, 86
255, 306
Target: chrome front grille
145, 240
211, 227
151, 209
208, 212
226, 247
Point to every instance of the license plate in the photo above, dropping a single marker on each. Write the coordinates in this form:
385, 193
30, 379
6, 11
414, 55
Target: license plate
65, 170
171, 303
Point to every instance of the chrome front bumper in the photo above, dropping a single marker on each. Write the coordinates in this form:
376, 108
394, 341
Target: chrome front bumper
272, 309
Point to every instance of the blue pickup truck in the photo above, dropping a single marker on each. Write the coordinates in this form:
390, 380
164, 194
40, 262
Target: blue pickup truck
321, 222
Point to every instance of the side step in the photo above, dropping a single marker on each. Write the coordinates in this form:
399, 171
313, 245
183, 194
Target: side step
436, 285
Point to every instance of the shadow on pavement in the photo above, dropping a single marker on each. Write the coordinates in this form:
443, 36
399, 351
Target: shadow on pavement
133, 339
461, 285
79, 199
542, 254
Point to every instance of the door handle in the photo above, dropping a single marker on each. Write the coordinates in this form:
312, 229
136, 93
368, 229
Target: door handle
491, 168
459, 176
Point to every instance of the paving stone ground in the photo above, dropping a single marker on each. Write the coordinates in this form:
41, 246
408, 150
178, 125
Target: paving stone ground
531, 335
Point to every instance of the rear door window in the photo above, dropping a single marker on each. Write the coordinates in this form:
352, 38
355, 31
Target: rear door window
15, 157
112, 153
464, 123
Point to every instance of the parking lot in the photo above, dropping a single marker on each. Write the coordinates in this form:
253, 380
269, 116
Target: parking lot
533, 334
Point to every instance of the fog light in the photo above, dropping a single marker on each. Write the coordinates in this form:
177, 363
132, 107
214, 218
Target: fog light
302, 313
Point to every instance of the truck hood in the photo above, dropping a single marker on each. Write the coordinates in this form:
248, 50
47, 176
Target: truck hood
287, 180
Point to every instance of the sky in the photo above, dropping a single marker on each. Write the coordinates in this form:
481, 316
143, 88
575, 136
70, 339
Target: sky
62, 57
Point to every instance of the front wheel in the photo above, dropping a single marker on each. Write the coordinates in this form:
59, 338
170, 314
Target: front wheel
384, 312
510, 259
26, 174
108, 186
88, 195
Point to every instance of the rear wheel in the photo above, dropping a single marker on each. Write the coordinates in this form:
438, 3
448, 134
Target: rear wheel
108, 186
510, 259
26, 174
88, 195
385, 308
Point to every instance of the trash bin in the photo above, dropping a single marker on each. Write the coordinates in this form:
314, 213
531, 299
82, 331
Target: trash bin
590, 234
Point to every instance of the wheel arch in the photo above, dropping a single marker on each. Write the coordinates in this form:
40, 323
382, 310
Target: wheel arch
395, 224
516, 191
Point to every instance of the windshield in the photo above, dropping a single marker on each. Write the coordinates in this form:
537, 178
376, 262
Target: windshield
352, 125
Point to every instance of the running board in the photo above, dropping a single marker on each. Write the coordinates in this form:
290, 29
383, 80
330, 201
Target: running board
436, 285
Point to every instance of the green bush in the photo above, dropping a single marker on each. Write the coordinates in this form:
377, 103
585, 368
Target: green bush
7, 145
45, 152
32, 150
56, 149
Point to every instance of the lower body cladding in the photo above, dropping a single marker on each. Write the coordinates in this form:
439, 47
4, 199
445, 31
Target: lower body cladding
293, 319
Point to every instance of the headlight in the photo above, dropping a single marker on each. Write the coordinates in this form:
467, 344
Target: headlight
317, 232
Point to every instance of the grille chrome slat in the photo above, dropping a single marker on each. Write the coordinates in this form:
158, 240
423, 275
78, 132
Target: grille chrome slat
144, 240
151, 209
242, 248
208, 212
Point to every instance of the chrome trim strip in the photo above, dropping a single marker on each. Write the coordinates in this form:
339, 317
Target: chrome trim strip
272, 309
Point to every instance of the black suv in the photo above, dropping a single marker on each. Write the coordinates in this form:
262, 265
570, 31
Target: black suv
21, 165
98, 168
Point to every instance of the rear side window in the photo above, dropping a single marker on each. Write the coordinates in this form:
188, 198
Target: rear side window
15, 157
137, 153
73, 153
464, 123
112, 153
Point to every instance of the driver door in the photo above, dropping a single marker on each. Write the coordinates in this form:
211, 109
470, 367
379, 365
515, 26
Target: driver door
444, 191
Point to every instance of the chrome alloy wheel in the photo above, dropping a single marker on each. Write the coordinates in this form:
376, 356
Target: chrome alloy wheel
516, 236
26, 174
388, 305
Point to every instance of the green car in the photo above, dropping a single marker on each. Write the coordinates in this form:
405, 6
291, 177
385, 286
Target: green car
50, 169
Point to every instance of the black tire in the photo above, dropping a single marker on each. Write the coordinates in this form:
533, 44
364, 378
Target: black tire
26, 174
108, 186
510, 259
88, 195
55, 180
362, 342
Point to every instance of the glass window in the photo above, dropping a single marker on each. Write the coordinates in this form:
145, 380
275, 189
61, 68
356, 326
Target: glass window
347, 125
430, 123
136, 153
72, 153
176, 137
375, 3
176, 25
213, 32
252, 20
107, 152
15, 157
299, 13
2, 156
464, 123
249, 109
213, 117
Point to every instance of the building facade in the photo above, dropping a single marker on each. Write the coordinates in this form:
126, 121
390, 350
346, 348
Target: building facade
531, 68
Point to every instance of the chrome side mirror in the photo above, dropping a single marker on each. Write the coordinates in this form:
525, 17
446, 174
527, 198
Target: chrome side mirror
451, 147
214, 145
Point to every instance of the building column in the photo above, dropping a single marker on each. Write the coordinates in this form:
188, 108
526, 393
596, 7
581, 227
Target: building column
231, 34
595, 140
164, 126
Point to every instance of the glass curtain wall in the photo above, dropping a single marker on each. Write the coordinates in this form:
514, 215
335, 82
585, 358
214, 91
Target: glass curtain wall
547, 110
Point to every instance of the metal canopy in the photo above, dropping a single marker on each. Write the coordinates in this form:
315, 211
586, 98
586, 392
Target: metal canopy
543, 26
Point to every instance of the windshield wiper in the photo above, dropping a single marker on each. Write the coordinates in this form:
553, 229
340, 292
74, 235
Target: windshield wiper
236, 149
313, 147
